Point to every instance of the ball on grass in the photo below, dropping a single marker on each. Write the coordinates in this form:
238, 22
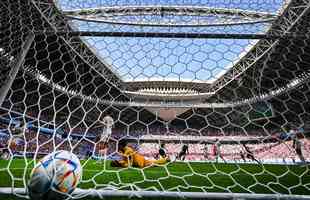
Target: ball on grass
55, 176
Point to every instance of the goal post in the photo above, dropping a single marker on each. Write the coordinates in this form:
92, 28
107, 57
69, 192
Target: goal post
15, 66
210, 98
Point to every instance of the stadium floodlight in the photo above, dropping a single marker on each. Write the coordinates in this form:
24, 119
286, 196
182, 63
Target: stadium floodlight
197, 99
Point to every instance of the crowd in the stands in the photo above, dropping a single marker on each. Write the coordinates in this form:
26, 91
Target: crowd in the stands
34, 141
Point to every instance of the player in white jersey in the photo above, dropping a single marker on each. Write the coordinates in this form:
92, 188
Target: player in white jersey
205, 152
102, 142
216, 150
108, 123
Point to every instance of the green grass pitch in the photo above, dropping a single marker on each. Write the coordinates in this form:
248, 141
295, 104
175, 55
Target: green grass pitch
179, 176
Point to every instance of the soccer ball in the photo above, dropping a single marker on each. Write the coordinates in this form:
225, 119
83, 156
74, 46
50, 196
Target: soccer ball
55, 176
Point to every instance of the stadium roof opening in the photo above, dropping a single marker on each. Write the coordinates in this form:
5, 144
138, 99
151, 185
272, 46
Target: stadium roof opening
166, 59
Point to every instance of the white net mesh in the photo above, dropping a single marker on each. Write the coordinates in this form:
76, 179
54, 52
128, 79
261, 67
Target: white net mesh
211, 96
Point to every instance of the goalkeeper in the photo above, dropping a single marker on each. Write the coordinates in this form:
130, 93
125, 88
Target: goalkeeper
131, 157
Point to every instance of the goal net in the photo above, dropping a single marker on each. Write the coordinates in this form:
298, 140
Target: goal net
211, 95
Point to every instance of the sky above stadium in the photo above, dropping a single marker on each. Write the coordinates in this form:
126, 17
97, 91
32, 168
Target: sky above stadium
135, 59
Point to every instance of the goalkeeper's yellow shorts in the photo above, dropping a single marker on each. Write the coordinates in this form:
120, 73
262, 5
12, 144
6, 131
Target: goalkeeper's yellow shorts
141, 162
161, 161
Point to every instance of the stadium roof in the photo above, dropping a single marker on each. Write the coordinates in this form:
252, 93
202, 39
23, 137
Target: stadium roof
135, 59
277, 54
138, 63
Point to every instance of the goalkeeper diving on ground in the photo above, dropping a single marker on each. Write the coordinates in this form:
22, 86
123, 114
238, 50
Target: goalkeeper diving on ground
131, 158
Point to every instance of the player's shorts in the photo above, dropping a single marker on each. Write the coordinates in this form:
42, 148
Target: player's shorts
102, 151
140, 161
182, 153
298, 151
248, 155
101, 145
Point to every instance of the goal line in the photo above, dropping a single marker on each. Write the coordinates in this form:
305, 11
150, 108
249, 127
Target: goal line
101, 193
